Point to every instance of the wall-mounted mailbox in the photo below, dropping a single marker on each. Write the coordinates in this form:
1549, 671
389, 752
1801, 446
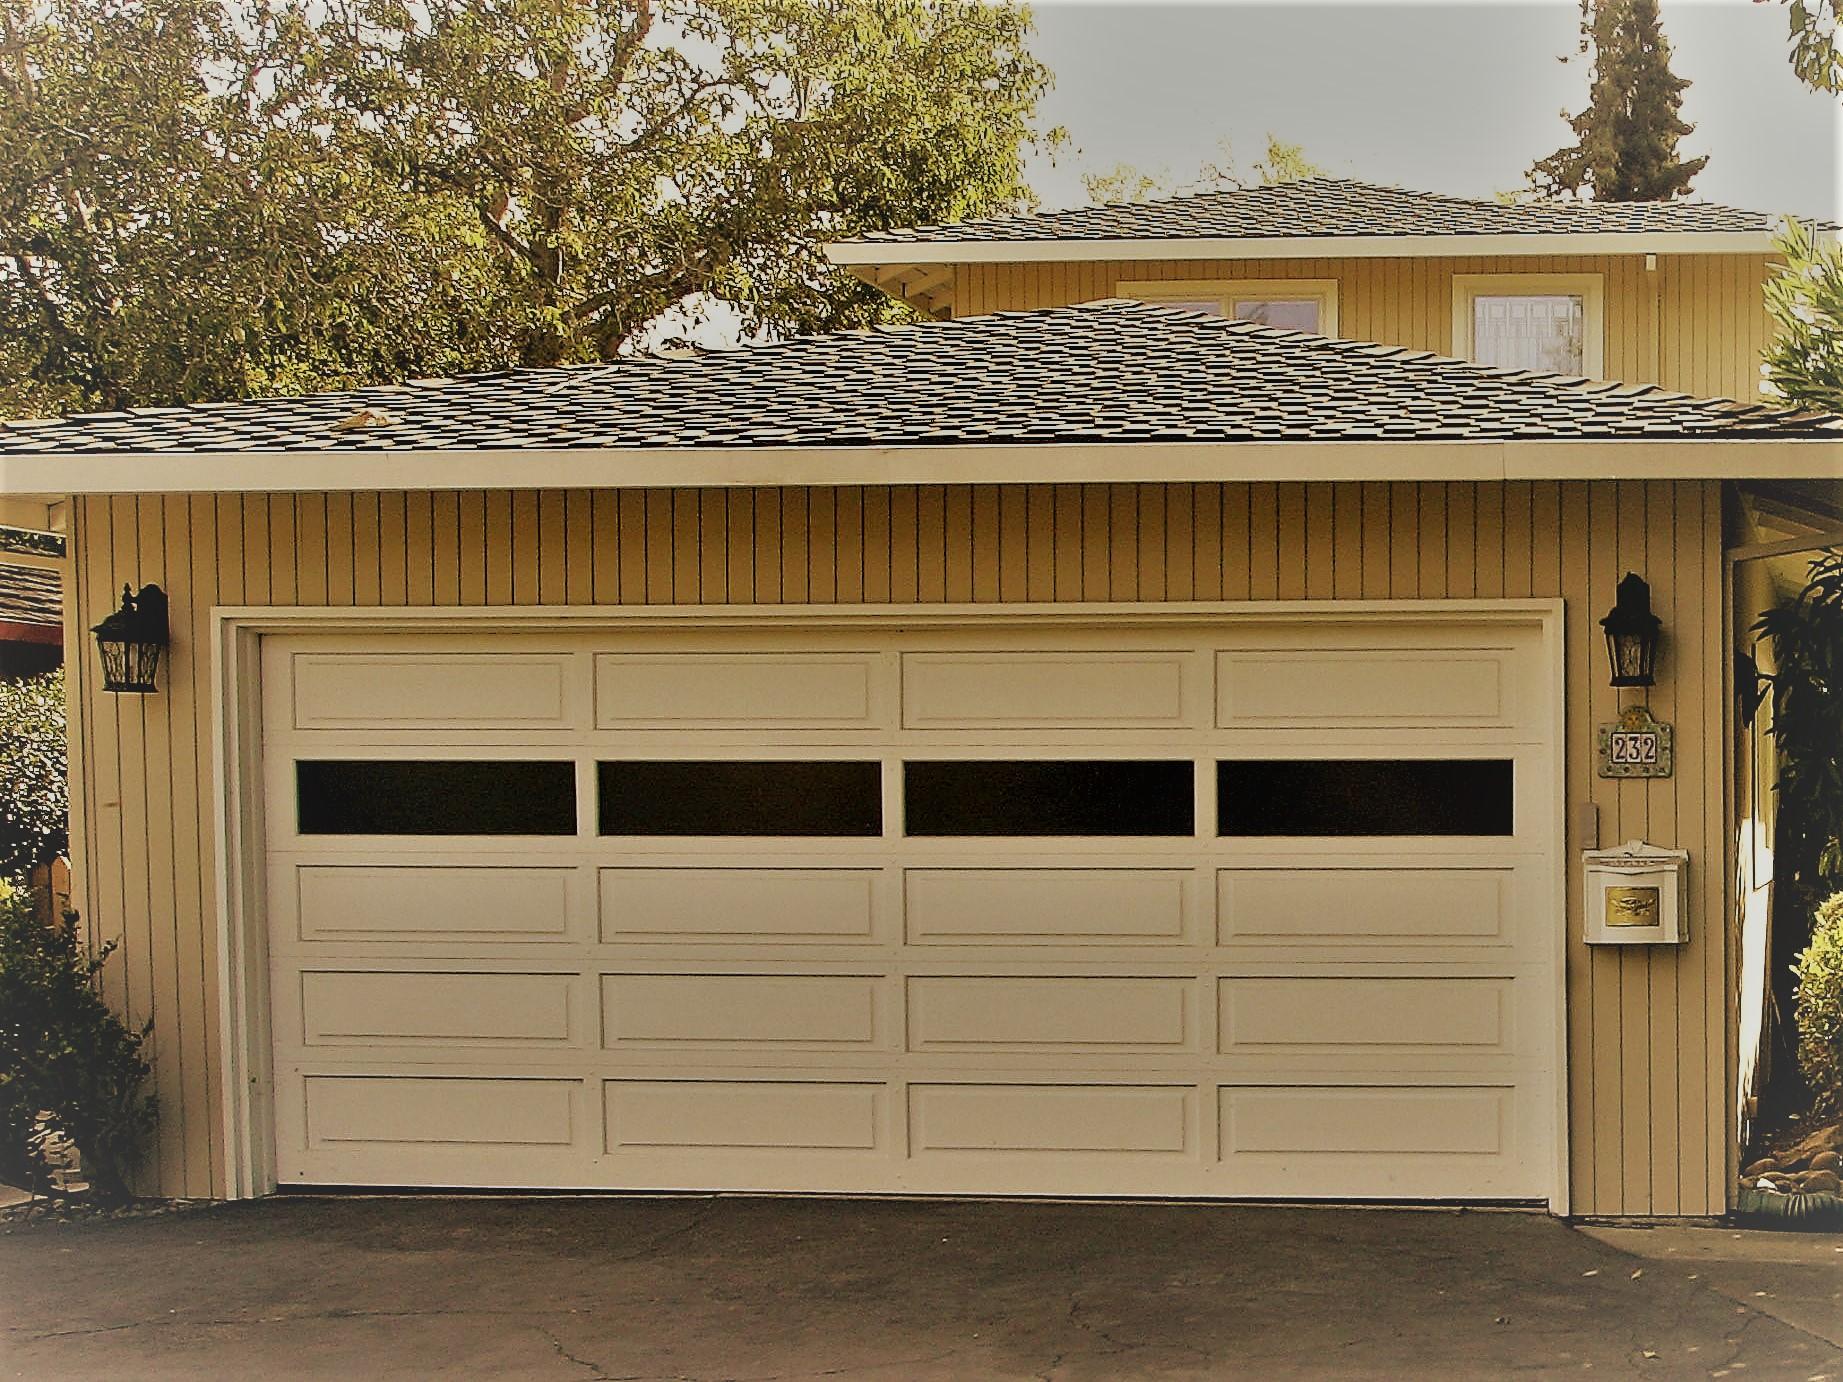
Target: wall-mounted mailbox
1634, 895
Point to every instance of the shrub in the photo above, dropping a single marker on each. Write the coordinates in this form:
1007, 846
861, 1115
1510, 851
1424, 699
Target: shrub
34, 790
1819, 1005
1807, 638
68, 1065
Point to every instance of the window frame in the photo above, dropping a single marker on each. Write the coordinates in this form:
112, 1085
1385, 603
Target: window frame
1227, 292
1589, 288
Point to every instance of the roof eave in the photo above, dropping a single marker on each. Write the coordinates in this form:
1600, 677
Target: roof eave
1728, 458
906, 255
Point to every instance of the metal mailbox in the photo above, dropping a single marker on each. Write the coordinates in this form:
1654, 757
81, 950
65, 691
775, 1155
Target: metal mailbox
1635, 894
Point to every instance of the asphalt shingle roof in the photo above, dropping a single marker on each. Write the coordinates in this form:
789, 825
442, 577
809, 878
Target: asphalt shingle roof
1336, 207
1107, 372
30, 595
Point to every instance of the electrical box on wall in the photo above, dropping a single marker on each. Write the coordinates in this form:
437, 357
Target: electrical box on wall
1634, 894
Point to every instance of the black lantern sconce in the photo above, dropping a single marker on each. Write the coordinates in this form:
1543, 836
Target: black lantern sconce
132, 639
1632, 634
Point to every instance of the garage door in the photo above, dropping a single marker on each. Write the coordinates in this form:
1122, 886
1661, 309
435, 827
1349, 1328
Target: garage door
1172, 908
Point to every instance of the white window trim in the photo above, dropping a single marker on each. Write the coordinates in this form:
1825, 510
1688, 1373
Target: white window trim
1229, 291
1590, 288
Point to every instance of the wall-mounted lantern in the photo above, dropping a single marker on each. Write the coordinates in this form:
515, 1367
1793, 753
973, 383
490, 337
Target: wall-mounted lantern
132, 639
1632, 634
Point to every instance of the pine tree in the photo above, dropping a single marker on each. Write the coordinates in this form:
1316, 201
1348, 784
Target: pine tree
1626, 138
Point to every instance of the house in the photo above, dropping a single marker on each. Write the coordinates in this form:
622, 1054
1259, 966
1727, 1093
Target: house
1135, 735
31, 595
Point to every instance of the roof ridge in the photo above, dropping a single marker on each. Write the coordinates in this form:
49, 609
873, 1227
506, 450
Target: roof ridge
1331, 205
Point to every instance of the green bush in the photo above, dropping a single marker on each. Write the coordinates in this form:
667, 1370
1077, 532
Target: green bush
1819, 1005
34, 791
68, 1065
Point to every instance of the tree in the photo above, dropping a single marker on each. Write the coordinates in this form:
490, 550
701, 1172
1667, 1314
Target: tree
168, 235
1804, 296
1815, 26
1123, 182
34, 794
1626, 138
1285, 162
219, 198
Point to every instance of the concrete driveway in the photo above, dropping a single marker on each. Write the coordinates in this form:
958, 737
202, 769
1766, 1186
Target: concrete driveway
764, 1288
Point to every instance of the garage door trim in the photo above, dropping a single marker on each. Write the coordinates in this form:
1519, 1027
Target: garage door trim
242, 924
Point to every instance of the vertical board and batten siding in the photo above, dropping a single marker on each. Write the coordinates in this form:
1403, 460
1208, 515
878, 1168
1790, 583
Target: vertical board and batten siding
1697, 324
1647, 1027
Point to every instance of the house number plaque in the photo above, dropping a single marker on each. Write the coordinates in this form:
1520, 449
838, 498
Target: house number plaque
1636, 745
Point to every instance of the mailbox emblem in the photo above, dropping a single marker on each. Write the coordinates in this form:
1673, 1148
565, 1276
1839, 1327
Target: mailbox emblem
1631, 906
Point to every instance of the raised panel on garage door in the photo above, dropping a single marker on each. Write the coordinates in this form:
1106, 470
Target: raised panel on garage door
711, 691
410, 691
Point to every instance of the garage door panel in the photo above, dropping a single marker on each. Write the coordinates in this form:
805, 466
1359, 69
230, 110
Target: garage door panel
417, 902
743, 1010
1113, 689
739, 905
717, 691
1366, 1121
386, 1009
409, 1111
1050, 907
1353, 907
411, 691
1095, 1120
754, 1115
1049, 1013
1369, 688
1410, 1016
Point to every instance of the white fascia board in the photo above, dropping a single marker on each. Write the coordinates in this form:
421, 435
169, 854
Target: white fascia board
893, 252
1742, 458
1150, 462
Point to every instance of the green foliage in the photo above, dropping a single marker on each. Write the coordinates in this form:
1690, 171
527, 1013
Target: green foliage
222, 198
1285, 162
1819, 1006
1625, 147
1124, 182
1807, 689
1816, 57
1282, 162
1804, 362
67, 1064
34, 791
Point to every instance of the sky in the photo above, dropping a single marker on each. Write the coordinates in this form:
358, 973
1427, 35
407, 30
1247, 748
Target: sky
1458, 98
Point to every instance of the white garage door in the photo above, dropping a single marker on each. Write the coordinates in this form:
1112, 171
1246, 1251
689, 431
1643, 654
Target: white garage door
1168, 908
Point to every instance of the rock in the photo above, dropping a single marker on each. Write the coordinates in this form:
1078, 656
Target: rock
1826, 1161
1764, 1166
1820, 1140
1821, 1183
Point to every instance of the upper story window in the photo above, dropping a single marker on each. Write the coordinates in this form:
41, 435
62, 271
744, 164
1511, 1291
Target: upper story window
1548, 322
1291, 304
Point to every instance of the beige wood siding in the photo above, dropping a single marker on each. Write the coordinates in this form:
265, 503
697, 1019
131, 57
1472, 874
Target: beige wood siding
1647, 1027
1696, 324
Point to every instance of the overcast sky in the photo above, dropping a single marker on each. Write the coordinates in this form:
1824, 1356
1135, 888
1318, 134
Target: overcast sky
1456, 98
